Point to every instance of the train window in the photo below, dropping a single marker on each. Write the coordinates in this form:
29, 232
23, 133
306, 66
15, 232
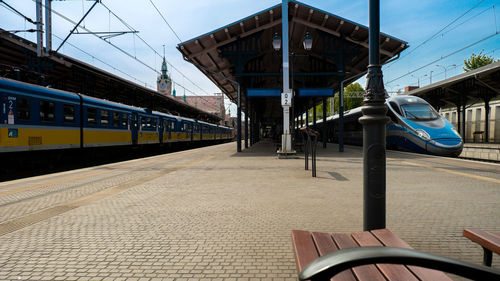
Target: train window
153, 123
116, 119
91, 116
395, 107
104, 118
173, 125
419, 112
68, 113
392, 116
124, 120
23, 109
47, 111
148, 123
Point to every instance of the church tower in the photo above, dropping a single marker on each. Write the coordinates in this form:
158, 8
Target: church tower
164, 83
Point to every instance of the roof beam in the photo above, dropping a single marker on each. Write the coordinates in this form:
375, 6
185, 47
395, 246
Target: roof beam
212, 36
324, 20
354, 31
317, 26
213, 61
311, 12
242, 26
257, 24
387, 39
487, 85
226, 30
341, 23
232, 39
271, 14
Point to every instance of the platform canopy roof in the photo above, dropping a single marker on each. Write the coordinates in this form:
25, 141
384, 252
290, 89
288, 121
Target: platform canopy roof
473, 86
19, 61
243, 50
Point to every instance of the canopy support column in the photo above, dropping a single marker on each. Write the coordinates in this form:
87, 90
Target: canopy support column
324, 123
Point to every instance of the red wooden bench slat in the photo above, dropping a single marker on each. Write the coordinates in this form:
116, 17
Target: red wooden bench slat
325, 245
488, 240
390, 239
365, 272
391, 271
304, 248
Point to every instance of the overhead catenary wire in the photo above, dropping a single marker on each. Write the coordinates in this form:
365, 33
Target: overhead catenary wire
435, 34
132, 56
153, 49
94, 57
17, 12
100, 60
443, 57
166, 22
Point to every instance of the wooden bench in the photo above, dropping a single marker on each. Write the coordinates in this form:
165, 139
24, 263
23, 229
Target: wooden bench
322, 255
490, 241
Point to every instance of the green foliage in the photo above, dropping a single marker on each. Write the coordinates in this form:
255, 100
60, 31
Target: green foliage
353, 96
477, 61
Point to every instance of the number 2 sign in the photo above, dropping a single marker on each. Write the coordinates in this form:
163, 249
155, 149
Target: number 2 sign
286, 99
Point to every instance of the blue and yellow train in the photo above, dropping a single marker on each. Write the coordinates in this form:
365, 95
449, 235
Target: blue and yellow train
34, 118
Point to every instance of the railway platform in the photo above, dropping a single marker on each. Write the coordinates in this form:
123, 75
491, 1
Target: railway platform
214, 214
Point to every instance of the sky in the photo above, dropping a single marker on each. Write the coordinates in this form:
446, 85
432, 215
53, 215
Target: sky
441, 34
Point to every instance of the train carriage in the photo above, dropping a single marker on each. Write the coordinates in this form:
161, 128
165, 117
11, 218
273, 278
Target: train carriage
38, 118
105, 123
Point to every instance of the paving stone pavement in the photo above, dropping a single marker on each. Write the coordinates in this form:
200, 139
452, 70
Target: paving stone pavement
214, 214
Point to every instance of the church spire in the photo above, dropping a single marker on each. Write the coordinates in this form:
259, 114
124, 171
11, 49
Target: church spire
164, 68
164, 83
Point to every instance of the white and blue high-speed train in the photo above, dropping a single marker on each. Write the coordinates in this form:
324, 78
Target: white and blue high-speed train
414, 126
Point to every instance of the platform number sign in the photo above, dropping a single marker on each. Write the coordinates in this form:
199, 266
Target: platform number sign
8, 110
286, 99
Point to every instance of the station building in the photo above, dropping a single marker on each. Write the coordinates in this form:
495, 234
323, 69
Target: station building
325, 52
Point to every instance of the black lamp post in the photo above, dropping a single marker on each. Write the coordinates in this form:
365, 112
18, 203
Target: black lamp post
374, 119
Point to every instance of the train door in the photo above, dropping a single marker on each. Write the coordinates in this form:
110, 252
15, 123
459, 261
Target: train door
8, 110
191, 131
134, 127
161, 128
170, 128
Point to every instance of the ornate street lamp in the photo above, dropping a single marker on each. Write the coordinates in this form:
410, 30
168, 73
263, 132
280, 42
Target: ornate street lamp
276, 42
308, 42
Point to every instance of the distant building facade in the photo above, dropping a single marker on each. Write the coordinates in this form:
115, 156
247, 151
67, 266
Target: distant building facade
211, 104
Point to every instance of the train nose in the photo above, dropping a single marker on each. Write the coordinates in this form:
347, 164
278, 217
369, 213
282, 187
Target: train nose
450, 142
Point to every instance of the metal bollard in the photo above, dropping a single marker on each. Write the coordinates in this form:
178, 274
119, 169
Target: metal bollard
305, 140
314, 141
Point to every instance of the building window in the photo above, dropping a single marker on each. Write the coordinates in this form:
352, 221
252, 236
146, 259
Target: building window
47, 111
23, 109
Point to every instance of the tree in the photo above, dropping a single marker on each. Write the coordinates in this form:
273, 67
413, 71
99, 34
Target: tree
353, 96
476, 61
